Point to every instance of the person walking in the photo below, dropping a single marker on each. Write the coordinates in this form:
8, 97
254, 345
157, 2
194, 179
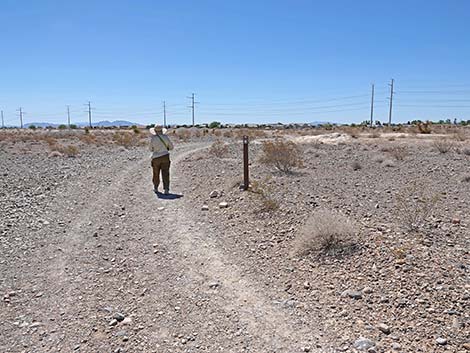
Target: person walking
160, 146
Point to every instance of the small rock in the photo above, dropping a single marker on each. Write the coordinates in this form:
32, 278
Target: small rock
384, 328
396, 346
466, 346
214, 194
127, 321
113, 322
223, 205
119, 317
455, 221
441, 341
367, 290
205, 208
363, 344
352, 294
214, 285
306, 284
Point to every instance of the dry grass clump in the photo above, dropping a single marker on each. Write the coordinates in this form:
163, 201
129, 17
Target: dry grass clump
69, 150
443, 146
325, 231
283, 155
415, 203
398, 152
219, 149
125, 139
262, 188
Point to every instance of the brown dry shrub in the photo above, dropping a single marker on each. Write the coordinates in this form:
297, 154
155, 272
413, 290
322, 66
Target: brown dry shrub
398, 152
69, 150
124, 139
219, 149
325, 231
443, 146
424, 128
282, 155
414, 204
262, 188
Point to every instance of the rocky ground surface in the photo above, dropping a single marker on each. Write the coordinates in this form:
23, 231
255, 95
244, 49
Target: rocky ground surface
93, 261
392, 289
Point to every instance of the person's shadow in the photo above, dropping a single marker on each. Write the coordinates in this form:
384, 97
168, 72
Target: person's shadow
169, 196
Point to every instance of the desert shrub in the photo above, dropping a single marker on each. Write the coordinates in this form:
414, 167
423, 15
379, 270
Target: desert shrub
424, 128
69, 150
443, 146
262, 188
73, 126
32, 127
135, 129
218, 149
398, 152
460, 136
415, 203
62, 127
124, 139
214, 125
374, 135
324, 231
356, 165
87, 130
282, 155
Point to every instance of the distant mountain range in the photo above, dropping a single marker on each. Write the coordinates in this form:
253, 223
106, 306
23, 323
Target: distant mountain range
104, 123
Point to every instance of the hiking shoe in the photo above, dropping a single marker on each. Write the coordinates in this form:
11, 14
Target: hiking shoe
155, 190
167, 191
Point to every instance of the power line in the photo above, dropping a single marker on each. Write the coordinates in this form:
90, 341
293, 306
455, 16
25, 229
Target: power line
164, 114
21, 116
89, 113
391, 104
192, 106
372, 107
68, 116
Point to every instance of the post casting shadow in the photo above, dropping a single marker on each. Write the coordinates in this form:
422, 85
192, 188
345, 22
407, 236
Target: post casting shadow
168, 196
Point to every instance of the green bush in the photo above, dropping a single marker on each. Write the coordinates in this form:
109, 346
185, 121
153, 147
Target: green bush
62, 127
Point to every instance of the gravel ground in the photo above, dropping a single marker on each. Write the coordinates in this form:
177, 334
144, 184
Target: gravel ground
92, 261
405, 291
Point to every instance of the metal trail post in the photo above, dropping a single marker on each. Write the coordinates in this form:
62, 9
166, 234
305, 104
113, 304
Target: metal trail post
246, 172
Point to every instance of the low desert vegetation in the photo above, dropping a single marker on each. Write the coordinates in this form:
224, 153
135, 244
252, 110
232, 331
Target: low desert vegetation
398, 152
219, 149
466, 179
443, 146
325, 231
283, 155
415, 204
263, 189
68, 150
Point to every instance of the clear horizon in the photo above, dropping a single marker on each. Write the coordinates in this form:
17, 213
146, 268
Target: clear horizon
247, 62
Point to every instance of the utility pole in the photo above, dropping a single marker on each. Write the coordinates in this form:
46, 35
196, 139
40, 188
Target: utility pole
164, 114
68, 116
89, 113
21, 116
391, 104
193, 104
372, 108
3, 121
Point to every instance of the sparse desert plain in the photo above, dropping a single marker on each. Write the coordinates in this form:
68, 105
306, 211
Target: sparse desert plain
348, 240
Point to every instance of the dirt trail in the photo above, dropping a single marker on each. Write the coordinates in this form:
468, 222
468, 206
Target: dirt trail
156, 261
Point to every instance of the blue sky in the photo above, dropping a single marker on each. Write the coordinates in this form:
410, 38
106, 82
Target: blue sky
247, 61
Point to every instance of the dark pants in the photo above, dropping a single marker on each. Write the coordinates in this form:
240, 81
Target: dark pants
161, 164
